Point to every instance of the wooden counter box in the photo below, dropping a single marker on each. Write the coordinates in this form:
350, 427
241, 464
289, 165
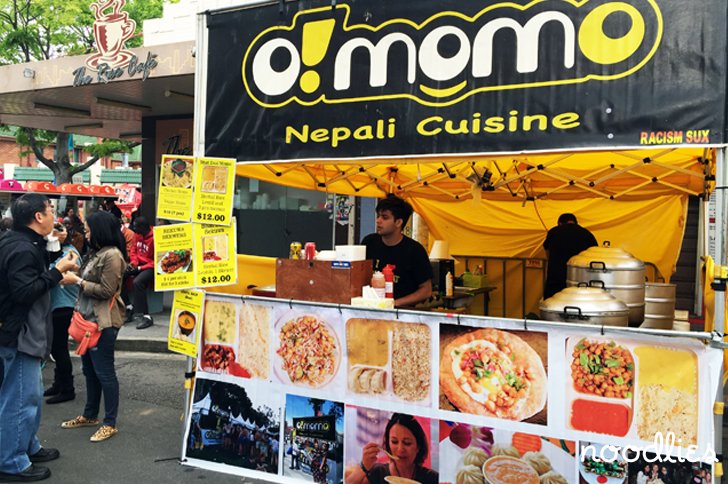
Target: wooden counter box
322, 281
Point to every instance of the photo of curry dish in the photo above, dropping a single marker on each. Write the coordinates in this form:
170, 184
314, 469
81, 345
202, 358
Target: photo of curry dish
177, 173
603, 369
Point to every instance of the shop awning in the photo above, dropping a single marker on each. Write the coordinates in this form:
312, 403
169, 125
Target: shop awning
609, 175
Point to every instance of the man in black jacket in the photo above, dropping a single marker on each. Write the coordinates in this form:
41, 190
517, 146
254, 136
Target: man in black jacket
563, 242
25, 333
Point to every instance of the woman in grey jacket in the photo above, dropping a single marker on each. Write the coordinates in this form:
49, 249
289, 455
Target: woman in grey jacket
99, 301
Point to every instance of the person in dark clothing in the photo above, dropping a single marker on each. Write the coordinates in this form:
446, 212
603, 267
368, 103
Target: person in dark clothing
25, 333
563, 242
413, 272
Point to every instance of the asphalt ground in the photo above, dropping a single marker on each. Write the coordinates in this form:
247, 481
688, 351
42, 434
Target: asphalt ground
148, 445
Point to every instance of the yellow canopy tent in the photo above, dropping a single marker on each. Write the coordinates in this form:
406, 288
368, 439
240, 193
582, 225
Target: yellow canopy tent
504, 205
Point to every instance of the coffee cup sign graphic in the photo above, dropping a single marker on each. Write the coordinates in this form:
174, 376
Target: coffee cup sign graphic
112, 29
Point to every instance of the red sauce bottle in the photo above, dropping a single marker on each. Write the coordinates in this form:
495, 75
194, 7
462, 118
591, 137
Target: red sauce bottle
388, 272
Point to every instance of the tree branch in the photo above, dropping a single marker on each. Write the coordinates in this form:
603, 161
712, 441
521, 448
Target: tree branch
37, 151
80, 168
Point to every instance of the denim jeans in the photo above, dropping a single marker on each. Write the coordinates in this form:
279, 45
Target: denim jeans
98, 368
21, 395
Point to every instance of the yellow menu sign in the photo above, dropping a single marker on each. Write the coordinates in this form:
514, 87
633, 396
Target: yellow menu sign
185, 322
173, 257
176, 179
216, 255
214, 190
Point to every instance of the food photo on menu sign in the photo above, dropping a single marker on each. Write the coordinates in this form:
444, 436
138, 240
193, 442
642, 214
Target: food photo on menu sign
389, 360
174, 261
308, 349
630, 389
473, 454
494, 373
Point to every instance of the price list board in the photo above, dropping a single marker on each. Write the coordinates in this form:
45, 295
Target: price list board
173, 257
177, 174
214, 189
216, 250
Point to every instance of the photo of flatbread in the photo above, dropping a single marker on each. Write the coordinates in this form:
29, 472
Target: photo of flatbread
254, 344
494, 373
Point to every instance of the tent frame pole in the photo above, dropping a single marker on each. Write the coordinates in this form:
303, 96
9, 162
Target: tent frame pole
721, 232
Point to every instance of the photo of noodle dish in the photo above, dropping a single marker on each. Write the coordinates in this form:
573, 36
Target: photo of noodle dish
177, 173
172, 261
309, 351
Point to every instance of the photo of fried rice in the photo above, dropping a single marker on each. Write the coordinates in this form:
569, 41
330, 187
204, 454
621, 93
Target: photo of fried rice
309, 351
411, 369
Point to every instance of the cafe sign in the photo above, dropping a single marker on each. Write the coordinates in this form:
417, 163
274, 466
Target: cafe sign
112, 28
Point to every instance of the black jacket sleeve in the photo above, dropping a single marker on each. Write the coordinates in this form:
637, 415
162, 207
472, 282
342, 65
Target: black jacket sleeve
25, 279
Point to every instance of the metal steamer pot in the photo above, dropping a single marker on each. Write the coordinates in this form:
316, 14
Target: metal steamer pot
586, 305
659, 305
623, 276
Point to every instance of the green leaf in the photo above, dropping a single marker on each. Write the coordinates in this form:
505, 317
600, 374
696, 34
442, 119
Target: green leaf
584, 359
611, 363
618, 380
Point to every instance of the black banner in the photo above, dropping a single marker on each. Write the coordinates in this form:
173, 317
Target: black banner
395, 77
316, 427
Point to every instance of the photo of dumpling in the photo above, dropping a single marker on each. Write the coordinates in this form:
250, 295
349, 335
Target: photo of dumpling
475, 456
506, 450
538, 461
470, 475
552, 477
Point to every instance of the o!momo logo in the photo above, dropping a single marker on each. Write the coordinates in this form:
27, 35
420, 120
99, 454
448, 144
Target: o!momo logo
323, 57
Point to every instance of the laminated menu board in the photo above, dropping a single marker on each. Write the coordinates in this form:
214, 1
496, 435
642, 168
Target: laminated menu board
194, 255
173, 257
214, 189
216, 253
185, 322
482, 400
176, 179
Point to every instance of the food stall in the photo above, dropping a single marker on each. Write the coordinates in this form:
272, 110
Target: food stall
487, 144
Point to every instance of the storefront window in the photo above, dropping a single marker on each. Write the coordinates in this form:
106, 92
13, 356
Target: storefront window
271, 216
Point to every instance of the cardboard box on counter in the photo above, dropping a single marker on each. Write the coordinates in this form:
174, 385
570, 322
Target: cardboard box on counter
322, 281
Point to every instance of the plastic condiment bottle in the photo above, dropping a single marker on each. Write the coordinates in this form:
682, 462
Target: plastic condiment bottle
388, 272
448, 284
378, 284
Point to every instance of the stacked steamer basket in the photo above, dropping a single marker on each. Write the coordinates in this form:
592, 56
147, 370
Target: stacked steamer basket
659, 305
623, 276
586, 305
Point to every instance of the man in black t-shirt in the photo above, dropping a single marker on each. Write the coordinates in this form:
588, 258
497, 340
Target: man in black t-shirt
563, 242
412, 273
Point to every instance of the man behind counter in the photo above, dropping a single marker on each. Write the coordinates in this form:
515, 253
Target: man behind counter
563, 242
412, 273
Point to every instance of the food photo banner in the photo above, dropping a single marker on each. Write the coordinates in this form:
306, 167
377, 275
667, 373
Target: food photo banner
305, 80
480, 396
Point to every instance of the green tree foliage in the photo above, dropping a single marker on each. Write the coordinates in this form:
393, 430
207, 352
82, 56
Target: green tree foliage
36, 30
